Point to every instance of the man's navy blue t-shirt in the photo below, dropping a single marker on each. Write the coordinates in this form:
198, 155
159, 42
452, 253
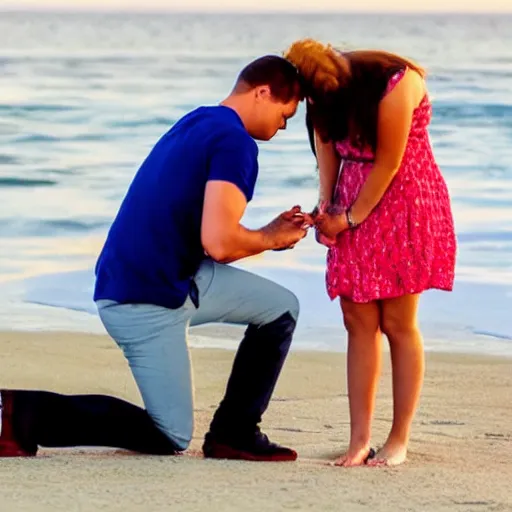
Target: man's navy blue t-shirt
153, 248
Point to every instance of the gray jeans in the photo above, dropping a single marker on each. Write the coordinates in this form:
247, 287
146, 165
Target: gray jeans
154, 339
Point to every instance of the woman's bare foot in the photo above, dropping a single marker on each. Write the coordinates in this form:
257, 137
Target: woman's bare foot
356, 456
391, 454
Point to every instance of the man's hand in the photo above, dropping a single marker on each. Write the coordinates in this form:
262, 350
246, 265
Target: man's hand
288, 228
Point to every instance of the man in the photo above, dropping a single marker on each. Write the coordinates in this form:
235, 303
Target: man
163, 268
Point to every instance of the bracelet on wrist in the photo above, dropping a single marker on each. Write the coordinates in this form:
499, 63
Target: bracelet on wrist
350, 220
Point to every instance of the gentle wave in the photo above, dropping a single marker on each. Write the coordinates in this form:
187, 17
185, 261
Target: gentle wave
136, 123
35, 107
8, 160
26, 182
474, 111
51, 227
34, 138
493, 236
299, 181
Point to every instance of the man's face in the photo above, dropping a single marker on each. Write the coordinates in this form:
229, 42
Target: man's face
270, 114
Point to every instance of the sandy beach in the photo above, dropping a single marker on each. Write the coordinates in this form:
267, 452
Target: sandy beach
460, 453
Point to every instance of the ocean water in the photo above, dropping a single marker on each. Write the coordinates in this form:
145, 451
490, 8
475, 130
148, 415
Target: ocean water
83, 97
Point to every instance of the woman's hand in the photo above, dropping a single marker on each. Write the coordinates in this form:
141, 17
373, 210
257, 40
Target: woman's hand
329, 220
323, 240
330, 224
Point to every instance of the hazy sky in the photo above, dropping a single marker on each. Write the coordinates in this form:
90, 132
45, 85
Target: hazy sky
255, 5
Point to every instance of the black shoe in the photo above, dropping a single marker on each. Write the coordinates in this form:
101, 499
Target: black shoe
257, 447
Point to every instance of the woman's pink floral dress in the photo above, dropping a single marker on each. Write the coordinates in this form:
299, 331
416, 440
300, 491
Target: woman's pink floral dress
407, 244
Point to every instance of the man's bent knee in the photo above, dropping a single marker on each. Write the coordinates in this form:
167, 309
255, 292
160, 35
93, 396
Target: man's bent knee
294, 306
284, 301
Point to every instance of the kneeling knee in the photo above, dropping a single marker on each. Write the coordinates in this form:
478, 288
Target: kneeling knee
179, 434
182, 444
180, 439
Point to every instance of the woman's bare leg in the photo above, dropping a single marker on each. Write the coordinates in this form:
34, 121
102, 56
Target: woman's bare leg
363, 369
399, 323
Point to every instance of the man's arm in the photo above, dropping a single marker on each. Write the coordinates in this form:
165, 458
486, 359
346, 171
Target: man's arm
222, 235
233, 168
226, 240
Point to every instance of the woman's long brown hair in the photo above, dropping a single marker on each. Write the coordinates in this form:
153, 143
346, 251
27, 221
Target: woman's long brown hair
345, 89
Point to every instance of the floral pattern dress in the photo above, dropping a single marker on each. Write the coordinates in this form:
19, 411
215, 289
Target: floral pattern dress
407, 244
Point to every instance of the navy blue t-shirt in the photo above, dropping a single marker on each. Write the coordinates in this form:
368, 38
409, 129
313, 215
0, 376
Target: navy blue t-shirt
153, 248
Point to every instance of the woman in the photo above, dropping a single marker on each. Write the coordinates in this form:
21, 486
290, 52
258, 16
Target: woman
384, 211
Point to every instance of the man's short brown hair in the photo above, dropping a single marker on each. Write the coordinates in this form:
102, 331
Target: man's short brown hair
279, 74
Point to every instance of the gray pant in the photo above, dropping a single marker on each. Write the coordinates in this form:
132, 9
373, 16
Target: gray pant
154, 339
